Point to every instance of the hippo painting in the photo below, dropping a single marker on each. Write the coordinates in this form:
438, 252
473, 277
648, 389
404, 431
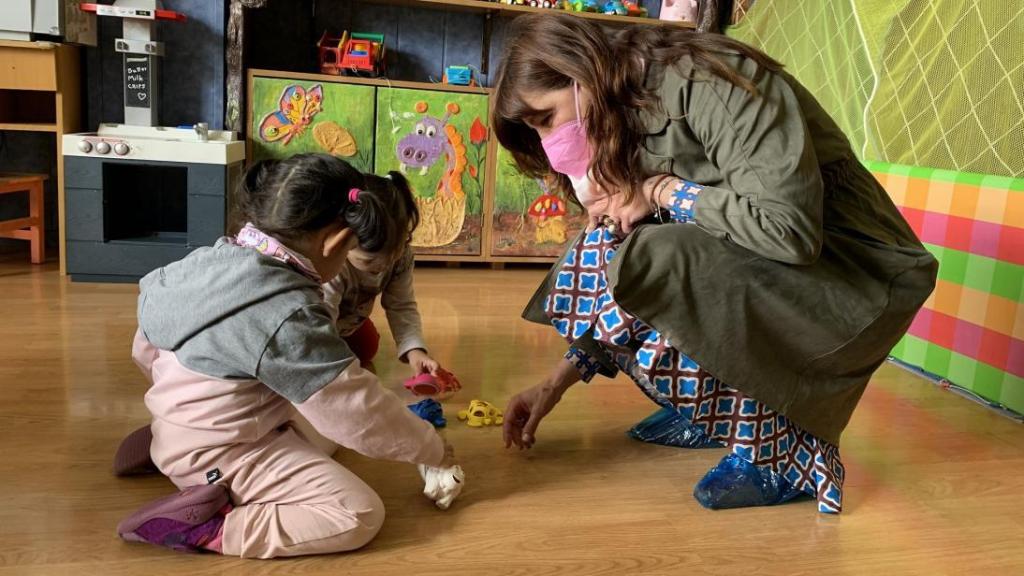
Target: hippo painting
424, 145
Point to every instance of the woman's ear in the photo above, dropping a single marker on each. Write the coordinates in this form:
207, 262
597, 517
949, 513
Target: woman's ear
338, 242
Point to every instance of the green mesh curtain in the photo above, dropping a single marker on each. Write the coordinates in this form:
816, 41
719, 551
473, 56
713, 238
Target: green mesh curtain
931, 92
937, 83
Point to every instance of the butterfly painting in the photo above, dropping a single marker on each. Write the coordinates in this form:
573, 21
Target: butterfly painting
297, 107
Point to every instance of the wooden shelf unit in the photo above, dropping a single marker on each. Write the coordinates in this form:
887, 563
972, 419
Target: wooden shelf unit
516, 10
40, 91
28, 127
380, 82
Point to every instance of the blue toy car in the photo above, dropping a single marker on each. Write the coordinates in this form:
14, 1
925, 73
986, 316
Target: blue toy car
459, 75
615, 7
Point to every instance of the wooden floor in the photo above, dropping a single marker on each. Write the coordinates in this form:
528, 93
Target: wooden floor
935, 483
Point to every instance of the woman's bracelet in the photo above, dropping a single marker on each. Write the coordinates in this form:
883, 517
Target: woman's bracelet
656, 197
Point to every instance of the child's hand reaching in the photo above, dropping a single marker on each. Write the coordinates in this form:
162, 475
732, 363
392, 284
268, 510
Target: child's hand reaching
421, 362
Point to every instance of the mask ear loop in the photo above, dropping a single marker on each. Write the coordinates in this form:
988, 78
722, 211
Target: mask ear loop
576, 97
579, 117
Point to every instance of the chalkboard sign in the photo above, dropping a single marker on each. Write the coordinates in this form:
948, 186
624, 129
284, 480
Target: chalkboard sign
137, 82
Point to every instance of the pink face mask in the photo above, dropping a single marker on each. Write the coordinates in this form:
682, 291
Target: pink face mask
567, 146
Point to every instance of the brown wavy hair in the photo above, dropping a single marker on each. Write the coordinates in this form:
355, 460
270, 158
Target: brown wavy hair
549, 51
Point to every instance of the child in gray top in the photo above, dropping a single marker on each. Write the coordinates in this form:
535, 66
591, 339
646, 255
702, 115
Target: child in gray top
250, 378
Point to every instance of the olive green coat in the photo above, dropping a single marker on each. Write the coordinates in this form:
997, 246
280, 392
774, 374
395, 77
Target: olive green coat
799, 276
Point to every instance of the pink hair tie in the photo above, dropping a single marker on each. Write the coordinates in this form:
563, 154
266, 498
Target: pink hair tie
353, 195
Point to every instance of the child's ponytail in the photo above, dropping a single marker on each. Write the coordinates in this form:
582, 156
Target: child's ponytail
384, 215
293, 197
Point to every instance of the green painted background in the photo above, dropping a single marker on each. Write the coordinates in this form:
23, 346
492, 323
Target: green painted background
513, 191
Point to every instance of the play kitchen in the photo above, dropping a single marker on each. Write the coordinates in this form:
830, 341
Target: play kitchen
139, 195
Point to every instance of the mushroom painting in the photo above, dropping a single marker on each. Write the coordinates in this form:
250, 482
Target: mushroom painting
530, 218
548, 215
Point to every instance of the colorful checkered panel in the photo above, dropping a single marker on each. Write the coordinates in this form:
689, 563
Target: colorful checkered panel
582, 304
971, 330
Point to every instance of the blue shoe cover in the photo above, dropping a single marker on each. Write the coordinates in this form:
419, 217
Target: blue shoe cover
668, 428
736, 483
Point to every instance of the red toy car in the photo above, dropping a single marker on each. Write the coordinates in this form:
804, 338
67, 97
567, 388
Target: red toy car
357, 54
363, 55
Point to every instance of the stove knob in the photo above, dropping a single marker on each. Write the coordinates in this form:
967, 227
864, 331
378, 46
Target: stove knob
121, 148
85, 146
103, 148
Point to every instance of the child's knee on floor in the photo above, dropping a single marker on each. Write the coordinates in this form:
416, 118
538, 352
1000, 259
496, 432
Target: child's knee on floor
367, 509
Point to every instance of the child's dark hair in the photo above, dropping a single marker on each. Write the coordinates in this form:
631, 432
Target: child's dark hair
299, 195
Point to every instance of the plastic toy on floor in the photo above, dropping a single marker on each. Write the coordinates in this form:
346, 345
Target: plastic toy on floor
481, 413
442, 485
431, 411
442, 384
668, 428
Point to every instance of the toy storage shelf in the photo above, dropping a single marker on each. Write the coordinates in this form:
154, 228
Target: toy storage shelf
514, 10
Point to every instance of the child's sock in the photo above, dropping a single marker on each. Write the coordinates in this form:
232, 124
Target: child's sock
132, 456
442, 485
188, 521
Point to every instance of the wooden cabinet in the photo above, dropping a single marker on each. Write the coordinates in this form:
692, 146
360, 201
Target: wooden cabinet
40, 91
474, 204
295, 115
439, 141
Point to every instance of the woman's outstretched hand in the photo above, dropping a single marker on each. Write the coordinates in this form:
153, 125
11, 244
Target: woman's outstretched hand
525, 411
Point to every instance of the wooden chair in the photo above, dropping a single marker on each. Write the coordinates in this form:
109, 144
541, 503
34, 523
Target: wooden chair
32, 228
